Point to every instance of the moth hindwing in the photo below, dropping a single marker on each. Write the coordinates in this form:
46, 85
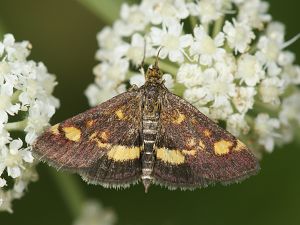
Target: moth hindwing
146, 134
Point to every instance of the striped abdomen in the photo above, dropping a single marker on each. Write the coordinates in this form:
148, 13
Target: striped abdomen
149, 134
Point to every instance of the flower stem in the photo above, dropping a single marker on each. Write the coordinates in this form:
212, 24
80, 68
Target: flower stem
16, 126
193, 22
218, 26
70, 191
15, 97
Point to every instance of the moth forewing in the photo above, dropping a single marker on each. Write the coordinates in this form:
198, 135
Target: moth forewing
146, 134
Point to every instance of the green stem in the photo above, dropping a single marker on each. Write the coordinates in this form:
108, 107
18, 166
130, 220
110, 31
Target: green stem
218, 26
108, 11
164, 66
206, 27
70, 191
193, 21
16, 126
15, 97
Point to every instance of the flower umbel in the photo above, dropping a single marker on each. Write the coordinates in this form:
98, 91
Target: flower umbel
26, 105
234, 70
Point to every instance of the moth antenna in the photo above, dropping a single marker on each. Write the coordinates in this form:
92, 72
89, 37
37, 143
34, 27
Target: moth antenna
141, 67
157, 57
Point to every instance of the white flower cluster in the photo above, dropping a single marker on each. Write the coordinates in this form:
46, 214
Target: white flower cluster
226, 57
94, 214
26, 106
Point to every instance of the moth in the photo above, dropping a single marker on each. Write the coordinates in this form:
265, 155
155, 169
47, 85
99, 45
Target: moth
146, 134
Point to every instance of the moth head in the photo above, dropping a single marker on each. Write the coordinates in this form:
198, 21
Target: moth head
153, 72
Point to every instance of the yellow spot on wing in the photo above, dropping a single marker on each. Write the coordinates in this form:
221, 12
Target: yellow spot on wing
120, 114
207, 133
191, 142
202, 145
54, 129
123, 153
72, 133
189, 152
170, 156
116, 152
239, 146
104, 136
179, 119
222, 147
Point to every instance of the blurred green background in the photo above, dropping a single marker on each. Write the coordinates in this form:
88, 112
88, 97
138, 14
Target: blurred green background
63, 34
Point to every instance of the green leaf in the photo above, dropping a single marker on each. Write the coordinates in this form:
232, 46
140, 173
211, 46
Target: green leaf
107, 11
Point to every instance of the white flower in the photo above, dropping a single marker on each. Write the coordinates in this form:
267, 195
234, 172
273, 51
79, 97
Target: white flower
169, 81
12, 158
254, 13
112, 46
137, 79
135, 51
276, 31
6, 107
94, 214
227, 58
161, 11
266, 129
207, 10
221, 112
98, 94
268, 54
218, 87
132, 19
171, 39
190, 75
113, 73
291, 74
197, 96
270, 89
38, 118
227, 65
238, 35
244, 99
290, 110
26, 99
249, 70
207, 48
236, 124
